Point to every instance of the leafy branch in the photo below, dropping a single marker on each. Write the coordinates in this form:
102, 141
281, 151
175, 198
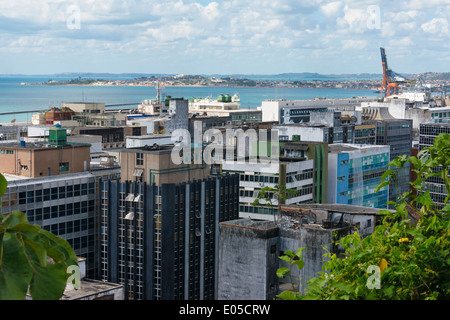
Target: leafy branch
31, 259
271, 196
413, 257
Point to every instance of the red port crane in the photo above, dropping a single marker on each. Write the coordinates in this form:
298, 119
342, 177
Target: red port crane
390, 84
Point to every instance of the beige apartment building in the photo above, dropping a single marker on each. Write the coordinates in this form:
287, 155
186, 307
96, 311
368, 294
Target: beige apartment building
38, 159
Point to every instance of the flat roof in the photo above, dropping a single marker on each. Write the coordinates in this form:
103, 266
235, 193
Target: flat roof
41, 146
150, 136
343, 147
340, 208
22, 180
166, 148
441, 124
89, 288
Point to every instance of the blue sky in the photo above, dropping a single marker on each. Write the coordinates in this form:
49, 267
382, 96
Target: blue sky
223, 37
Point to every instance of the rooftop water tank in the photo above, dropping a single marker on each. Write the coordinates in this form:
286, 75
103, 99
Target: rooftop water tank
57, 136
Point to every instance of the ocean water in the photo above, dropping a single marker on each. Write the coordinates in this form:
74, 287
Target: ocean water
17, 97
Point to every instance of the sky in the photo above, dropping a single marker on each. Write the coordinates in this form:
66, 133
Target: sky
223, 37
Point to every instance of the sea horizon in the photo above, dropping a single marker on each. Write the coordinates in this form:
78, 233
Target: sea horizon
15, 97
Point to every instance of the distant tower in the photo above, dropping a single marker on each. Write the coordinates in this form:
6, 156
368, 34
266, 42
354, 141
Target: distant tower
158, 91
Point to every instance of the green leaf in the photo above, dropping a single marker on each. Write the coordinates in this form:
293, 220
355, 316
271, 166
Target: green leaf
299, 252
48, 282
299, 263
386, 174
383, 212
15, 272
59, 249
381, 185
285, 258
38, 250
415, 162
287, 295
3, 185
15, 218
282, 272
397, 162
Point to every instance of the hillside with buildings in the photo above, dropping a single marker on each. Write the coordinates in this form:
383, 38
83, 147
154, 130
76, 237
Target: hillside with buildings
195, 167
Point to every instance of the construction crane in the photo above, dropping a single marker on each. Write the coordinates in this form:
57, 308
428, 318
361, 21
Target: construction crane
391, 80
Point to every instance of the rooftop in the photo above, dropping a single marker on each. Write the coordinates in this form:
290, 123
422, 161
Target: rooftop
351, 209
15, 180
40, 145
155, 149
90, 289
346, 147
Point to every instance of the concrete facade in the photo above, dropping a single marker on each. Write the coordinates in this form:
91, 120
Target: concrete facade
154, 165
297, 175
248, 254
167, 236
297, 111
37, 159
250, 249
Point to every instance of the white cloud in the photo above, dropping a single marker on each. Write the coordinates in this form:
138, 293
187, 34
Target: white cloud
436, 26
354, 44
401, 43
279, 30
331, 9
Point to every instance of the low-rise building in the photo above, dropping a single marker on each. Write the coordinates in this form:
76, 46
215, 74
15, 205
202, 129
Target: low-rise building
51, 157
297, 111
250, 249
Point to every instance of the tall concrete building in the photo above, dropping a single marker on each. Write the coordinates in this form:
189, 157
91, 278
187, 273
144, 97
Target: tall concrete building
66, 205
161, 242
427, 133
302, 166
53, 182
354, 172
398, 135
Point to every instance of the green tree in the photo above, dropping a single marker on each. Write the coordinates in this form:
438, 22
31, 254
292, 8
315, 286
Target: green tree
271, 196
31, 259
403, 259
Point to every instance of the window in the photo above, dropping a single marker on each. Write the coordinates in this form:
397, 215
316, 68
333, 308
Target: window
64, 166
9, 151
139, 159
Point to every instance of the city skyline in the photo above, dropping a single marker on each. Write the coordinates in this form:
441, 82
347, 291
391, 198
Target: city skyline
226, 37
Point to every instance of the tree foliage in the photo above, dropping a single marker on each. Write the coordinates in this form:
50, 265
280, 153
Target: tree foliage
403, 258
31, 259
269, 196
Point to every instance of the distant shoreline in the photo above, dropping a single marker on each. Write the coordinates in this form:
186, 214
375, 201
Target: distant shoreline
188, 86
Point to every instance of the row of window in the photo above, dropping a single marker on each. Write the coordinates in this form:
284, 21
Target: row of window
55, 193
68, 227
63, 210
